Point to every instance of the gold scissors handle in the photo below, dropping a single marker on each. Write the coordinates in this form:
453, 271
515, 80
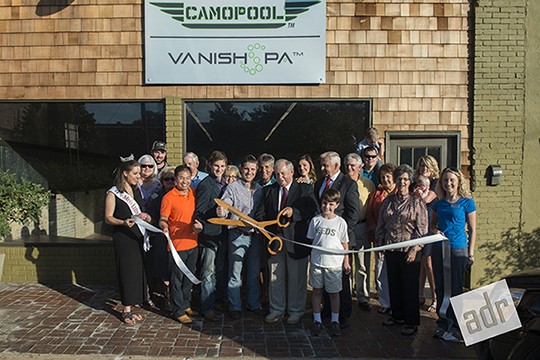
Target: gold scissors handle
270, 247
281, 221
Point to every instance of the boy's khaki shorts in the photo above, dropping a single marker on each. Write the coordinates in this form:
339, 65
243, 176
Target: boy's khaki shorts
323, 278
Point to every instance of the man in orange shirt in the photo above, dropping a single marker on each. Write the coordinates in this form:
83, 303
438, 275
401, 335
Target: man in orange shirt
176, 218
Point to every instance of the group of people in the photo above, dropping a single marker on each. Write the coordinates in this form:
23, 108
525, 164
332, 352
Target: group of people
370, 204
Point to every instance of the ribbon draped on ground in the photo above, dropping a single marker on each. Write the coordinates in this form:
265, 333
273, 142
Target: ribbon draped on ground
178, 261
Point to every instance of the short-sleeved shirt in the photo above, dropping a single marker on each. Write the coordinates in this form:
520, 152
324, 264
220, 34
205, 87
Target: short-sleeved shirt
452, 219
179, 210
364, 144
331, 234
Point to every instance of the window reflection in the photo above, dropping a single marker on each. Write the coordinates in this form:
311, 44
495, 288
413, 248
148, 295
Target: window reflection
284, 129
76, 145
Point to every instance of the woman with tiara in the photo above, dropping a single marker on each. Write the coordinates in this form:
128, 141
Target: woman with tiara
123, 201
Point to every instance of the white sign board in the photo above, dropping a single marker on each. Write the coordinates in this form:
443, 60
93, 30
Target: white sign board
234, 41
485, 312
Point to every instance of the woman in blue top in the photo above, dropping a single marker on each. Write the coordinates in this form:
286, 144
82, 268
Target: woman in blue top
454, 216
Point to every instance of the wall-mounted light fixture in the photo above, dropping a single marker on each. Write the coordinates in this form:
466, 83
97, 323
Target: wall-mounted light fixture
493, 175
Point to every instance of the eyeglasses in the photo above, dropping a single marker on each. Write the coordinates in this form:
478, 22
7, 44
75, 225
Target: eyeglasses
168, 179
147, 166
370, 156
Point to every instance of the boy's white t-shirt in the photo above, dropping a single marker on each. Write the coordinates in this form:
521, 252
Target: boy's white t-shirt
330, 234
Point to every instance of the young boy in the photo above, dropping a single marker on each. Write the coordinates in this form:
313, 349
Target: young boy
371, 139
329, 231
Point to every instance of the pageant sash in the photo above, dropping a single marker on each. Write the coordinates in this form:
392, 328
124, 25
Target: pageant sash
135, 211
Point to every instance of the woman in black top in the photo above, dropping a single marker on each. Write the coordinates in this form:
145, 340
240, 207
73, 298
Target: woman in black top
122, 201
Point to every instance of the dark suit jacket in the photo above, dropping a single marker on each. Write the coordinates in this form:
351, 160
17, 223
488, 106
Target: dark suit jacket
302, 200
205, 208
349, 205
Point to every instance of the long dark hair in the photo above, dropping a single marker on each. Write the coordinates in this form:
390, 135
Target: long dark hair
311, 173
119, 173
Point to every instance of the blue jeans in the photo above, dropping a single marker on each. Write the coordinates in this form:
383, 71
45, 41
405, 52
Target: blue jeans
240, 247
459, 258
213, 276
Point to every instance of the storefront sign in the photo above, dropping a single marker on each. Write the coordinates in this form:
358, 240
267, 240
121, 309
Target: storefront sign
235, 42
485, 312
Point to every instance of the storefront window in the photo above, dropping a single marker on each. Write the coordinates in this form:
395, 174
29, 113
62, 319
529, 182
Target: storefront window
76, 145
284, 129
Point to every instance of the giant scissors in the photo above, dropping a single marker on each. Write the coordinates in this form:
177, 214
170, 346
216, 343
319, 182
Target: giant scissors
281, 221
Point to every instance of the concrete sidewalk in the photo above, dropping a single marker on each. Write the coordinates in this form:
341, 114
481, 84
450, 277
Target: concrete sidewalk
70, 320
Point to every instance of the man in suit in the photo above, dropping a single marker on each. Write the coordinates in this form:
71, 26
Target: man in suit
348, 209
212, 239
288, 268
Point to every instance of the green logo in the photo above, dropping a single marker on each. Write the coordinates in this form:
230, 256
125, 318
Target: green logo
254, 56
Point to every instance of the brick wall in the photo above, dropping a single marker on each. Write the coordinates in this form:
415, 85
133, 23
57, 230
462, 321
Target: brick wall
59, 265
19, 230
500, 46
175, 125
410, 57
75, 214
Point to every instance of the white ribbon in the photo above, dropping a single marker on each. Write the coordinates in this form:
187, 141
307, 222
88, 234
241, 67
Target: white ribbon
404, 244
185, 270
408, 243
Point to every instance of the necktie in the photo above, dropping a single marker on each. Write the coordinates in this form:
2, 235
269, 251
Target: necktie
328, 181
283, 198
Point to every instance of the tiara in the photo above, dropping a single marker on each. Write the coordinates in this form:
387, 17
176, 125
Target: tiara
128, 158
